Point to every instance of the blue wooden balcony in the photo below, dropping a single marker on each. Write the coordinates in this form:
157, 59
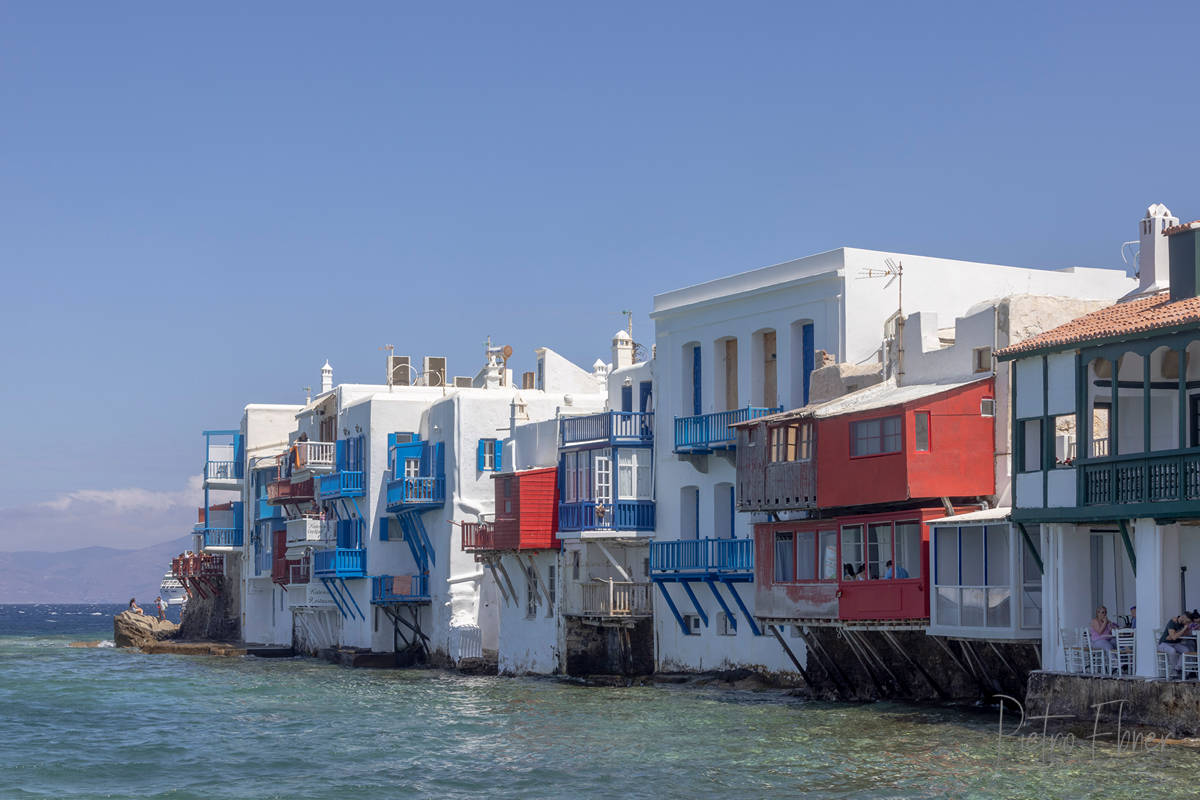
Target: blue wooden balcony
703, 559
623, 515
419, 493
223, 457
344, 483
610, 427
222, 537
386, 589
340, 562
705, 433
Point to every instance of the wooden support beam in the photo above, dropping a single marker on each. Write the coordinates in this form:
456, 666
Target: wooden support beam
792, 656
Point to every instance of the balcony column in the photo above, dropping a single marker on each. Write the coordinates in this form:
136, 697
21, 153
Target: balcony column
1146, 413
1156, 588
1115, 411
1183, 409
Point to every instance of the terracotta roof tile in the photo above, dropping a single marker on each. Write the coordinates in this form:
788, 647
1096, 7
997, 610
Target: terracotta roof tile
1187, 226
1135, 316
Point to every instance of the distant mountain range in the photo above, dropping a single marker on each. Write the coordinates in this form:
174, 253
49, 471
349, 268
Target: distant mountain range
88, 575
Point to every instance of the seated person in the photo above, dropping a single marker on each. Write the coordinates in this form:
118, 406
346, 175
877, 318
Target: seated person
1100, 631
899, 572
133, 606
1171, 642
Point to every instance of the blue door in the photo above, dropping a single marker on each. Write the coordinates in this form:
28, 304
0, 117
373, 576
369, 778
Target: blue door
809, 356
696, 380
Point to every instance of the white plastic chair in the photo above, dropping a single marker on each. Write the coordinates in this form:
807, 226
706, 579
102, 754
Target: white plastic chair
1095, 658
1123, 661
1161, 662
1072, 650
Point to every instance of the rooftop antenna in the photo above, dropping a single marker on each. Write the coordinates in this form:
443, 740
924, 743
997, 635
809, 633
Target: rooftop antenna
1129, 254
893, 270
629, 317
390, 348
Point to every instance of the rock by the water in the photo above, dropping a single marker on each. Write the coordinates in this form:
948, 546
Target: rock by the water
131, 629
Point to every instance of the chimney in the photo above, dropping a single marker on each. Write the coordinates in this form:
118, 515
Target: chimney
326, 377
1185, 260
622, 350
1153, 270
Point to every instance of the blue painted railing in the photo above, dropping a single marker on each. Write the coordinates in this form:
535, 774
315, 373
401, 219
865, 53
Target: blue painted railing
222, 537
409, 492
703, 557
340, 562
623, 515
347, 483
616, 427
382, 590
711, 431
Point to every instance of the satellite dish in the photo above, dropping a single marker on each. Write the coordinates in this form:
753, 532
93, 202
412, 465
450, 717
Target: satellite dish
507, 352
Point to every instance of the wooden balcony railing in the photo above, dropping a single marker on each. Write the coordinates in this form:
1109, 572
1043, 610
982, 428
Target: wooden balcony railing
705, 432
623, 515
478, 536
703, 557
313, 455
609, 598
625, 427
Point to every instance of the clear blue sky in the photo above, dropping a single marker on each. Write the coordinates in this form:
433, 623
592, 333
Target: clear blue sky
198, 205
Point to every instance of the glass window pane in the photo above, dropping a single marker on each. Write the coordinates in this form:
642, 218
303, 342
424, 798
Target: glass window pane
806, 556
891, 435
829, 557
1032, 439
948, 605
853, 564
1029, 567
1031, 607
785, 567
973, 602
908, 550
644, 466
879, 549
624, 475
921, 420
998, 607
972, 557
997, 556
946, 542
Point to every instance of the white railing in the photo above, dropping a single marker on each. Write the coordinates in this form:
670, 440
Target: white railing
1099, 448
609, 598
466, 641
306, 530
314, 455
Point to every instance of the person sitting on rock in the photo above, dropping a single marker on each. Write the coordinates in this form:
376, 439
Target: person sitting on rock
134, 607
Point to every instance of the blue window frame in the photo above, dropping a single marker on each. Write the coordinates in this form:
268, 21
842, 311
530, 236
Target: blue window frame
489, 455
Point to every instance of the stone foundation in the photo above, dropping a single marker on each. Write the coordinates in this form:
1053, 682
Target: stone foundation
1169, 708
860, 664
213, 618
609, 649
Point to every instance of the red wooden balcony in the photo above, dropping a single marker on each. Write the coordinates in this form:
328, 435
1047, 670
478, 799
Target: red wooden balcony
526, 510
284, 491
478, 536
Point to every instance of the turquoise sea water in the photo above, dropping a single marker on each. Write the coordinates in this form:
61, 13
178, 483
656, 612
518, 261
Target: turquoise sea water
109, 723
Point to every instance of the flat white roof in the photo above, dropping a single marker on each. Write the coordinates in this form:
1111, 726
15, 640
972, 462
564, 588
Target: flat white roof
987, 515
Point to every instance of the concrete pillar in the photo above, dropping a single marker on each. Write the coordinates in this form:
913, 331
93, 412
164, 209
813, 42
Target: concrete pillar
1152, 610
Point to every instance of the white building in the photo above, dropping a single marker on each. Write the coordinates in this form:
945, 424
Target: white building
737, 347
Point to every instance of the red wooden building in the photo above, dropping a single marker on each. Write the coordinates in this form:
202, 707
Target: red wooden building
526, 514
867, 471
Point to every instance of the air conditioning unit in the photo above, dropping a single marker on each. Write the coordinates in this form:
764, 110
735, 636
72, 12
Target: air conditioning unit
399, 371
434, 371
403, 438
461, 382
527, 379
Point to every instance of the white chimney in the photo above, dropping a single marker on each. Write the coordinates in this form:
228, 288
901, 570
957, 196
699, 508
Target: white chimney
622, 350
1153, 266
326, 377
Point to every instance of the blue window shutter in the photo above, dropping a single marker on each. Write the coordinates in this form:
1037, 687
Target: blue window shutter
340, 454
479, 450
498, 444
627, 398
809, 357
383, 529
697, 408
